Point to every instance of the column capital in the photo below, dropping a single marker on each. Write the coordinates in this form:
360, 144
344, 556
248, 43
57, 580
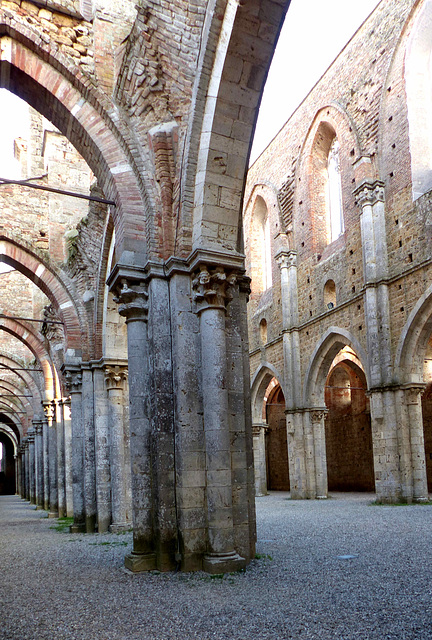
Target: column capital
132, 298
369, 192
115, 376
212, 287
31, 436
317, 414
73, 379
49, 410
37, 425
413, 393
286, 258
258, 428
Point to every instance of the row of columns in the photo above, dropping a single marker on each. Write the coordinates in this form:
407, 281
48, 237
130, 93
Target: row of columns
396, 415
100, 446
80, 468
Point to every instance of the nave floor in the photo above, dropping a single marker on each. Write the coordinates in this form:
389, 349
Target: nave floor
339, 569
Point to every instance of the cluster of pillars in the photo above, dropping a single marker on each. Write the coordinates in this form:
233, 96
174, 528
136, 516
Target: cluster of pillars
43, 464
80, 468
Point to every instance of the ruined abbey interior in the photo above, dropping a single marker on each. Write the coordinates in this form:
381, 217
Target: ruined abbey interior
138, 259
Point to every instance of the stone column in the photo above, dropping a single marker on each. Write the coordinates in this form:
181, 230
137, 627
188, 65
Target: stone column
300, 439
387, 464
297, 454
66, 409
26, 469
45, 443
318, 427
74, 382
115, 379
90, 506
38, 426
102, 440
19, 472
212, 292
259, 434
133, 304
32, 465
16, 474
49, 409
371, 198
61, 480
416, 442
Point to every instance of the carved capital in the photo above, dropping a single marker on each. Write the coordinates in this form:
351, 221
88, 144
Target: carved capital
286, 259
133, 301
369, 193
49, 411
38, 427
30, 436
73, 380
115, 376
257, 429
213, 287
317, 415
413, 395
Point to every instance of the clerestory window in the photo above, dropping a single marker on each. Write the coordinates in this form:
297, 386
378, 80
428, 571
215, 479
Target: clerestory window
335, 220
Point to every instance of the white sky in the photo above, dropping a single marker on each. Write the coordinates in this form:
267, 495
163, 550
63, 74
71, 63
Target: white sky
315, 31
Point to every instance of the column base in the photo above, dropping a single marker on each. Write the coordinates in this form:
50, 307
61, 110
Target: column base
77, 528
223, 563
120, 527
321, 497
140, 562
420, 499
53, 514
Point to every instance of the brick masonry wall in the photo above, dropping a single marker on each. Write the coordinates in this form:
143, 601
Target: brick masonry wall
358, 83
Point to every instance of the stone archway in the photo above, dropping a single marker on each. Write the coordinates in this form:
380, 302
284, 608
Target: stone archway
276, 439
8, 444
348, 435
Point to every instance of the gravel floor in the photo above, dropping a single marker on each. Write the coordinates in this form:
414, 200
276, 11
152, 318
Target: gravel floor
339, 568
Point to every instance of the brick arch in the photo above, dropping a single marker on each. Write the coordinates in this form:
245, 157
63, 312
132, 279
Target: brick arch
24, 376
14, 390
259, 384
36, 346
321, 360
231, 75
42, 275
46, 80
413, 341
10, 433
18, 425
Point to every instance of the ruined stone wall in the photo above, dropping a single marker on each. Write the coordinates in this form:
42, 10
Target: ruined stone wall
350, 95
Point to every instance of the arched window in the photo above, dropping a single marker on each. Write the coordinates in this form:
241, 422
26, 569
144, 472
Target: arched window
326, 187
261, 263
334, 193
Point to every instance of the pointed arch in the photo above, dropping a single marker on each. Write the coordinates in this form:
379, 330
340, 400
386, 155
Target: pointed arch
10, 364
259, 383
42, 275
320, 362
232, 70
51, 84
413, 341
